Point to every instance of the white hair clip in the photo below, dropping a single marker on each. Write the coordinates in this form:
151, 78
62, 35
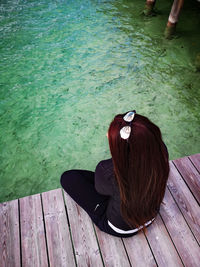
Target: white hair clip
129, 116
126, 130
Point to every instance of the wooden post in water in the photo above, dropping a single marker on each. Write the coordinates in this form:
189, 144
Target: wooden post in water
197, 62
149, 7
173, 18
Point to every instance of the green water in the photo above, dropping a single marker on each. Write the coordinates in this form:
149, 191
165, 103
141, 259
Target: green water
67, 67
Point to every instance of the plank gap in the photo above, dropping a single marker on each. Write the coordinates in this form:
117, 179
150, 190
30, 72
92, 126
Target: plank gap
69, 228
20, 239
150, 247
98, 244
194, 164
126, 251
45, 234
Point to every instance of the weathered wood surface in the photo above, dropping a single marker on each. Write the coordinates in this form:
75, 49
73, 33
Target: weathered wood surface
57, 231
179, 231
190, 175
196, 161
50, 229
34, 252
160, 242
185, 200
9, 234
137, 249
84, 240
112, 249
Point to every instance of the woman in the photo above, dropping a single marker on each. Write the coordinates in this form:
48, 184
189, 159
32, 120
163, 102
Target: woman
124, 194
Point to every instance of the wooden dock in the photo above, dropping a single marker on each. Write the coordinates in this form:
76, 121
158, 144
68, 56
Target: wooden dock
49, 229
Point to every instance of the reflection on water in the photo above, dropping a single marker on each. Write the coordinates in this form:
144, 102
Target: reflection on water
67, 67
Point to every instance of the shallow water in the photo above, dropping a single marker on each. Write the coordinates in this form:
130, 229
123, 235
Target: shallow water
67, 67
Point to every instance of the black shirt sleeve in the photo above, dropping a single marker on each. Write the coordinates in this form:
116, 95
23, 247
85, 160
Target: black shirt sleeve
104, 176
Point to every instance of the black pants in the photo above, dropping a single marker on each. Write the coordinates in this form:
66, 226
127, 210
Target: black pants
79, 184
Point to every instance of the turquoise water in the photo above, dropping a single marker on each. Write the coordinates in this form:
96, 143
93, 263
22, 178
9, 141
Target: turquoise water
67, 67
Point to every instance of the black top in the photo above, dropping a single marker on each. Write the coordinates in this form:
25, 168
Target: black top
106, 184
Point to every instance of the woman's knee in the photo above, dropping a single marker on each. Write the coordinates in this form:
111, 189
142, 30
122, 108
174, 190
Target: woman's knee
68, 178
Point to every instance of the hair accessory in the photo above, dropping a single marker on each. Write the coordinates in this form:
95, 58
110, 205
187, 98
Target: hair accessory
129, 116
126, 130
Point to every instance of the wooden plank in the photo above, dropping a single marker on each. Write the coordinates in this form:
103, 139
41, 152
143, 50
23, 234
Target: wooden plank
161, 244
196, 161
138, 250
33, 242
179, 231
57, 231
112, 249
185, 200
83, 235
9, 234
190, 175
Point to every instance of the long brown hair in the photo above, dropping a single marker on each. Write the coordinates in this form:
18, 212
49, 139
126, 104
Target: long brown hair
141, 168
